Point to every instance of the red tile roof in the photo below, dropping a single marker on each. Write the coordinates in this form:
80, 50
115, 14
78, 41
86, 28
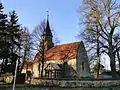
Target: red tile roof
61, 52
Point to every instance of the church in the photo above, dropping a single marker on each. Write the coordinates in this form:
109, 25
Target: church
68, 60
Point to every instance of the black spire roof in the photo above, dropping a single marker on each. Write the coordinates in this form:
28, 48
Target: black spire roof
47, 31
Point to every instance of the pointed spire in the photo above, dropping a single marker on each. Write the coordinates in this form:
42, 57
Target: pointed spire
47, 31
47, 34
47, 14
47, 24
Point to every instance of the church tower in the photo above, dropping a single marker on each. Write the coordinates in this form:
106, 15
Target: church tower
47, 36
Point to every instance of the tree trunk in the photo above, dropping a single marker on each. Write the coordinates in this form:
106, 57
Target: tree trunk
113, 69
112, 58
98, 66
42, 70
98, 53
39, 67
118, 56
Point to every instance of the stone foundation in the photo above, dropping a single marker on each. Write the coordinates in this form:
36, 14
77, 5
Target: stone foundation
73, 83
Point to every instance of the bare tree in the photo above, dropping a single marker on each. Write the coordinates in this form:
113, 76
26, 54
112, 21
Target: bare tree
26, 51
104, 14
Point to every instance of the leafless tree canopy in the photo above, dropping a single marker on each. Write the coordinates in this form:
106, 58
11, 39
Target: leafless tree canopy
102, 18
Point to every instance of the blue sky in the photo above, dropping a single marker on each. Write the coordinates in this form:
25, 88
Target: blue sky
63, 15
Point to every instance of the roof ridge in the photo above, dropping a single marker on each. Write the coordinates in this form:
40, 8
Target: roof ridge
67, 43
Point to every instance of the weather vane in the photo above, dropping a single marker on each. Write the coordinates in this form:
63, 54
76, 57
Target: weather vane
47, 12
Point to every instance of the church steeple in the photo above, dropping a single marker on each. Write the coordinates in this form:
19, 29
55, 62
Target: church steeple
47, 34
47, 30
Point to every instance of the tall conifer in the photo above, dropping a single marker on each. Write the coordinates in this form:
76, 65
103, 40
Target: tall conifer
4, 45
3, 21
14, 33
